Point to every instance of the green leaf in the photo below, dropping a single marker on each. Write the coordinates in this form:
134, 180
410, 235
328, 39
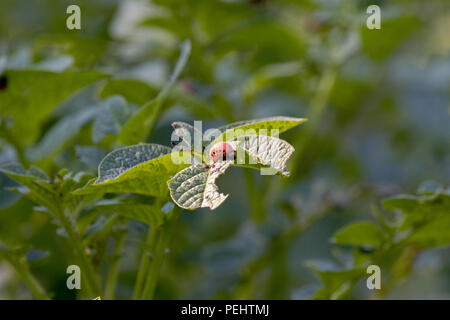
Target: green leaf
268, 40
419, 210
111, 116
134, 91
194, 187
148, 214
60, 133
380, 44
7, 198
337, 283
108, 115
435, 233
32, 95
267, 76
359, 234
142, 169
262, 126
140, 124
404, 203
37, 185
191, 103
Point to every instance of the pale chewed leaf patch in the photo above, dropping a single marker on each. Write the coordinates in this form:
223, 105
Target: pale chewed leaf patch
194, 187
266, 151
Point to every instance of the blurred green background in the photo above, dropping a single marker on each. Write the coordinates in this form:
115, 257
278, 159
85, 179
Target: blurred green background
378, 109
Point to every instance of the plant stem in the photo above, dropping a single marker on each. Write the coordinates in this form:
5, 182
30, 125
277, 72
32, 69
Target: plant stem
144, 263
258, 212
162, 243
318, 106
91, 281
33, 284
113, 274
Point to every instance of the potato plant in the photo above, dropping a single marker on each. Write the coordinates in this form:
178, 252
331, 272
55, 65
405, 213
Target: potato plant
206, 149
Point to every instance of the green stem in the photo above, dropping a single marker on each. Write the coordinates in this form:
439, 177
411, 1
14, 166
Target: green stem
90, 280
318, 106
162, 243
143, 267
33, 284
113, 274
256, 203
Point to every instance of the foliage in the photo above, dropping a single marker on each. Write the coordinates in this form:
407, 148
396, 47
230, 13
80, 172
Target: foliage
422, 222
87, 176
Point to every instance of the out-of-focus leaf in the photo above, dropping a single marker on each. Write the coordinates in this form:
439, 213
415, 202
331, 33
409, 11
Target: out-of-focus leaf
194, 187
92, 156
169, 24
63, 130
272, 42
268, 75
380, 44
191, 103
56, 64
435, 233
52, 194
134, 91
142, 169
7, 198
110, 118
140, 124
337, 283
36, 183
359, 234
35, 255
149, 214
418, 210
426, 217
31, 96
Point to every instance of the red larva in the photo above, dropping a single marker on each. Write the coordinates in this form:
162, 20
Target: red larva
222, 151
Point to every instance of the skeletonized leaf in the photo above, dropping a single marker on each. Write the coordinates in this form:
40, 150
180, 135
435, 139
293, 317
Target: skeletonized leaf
194, 187
264, 151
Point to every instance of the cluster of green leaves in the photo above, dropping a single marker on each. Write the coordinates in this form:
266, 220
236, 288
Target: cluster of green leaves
411, 224
146, 168
143, 169
71, 99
